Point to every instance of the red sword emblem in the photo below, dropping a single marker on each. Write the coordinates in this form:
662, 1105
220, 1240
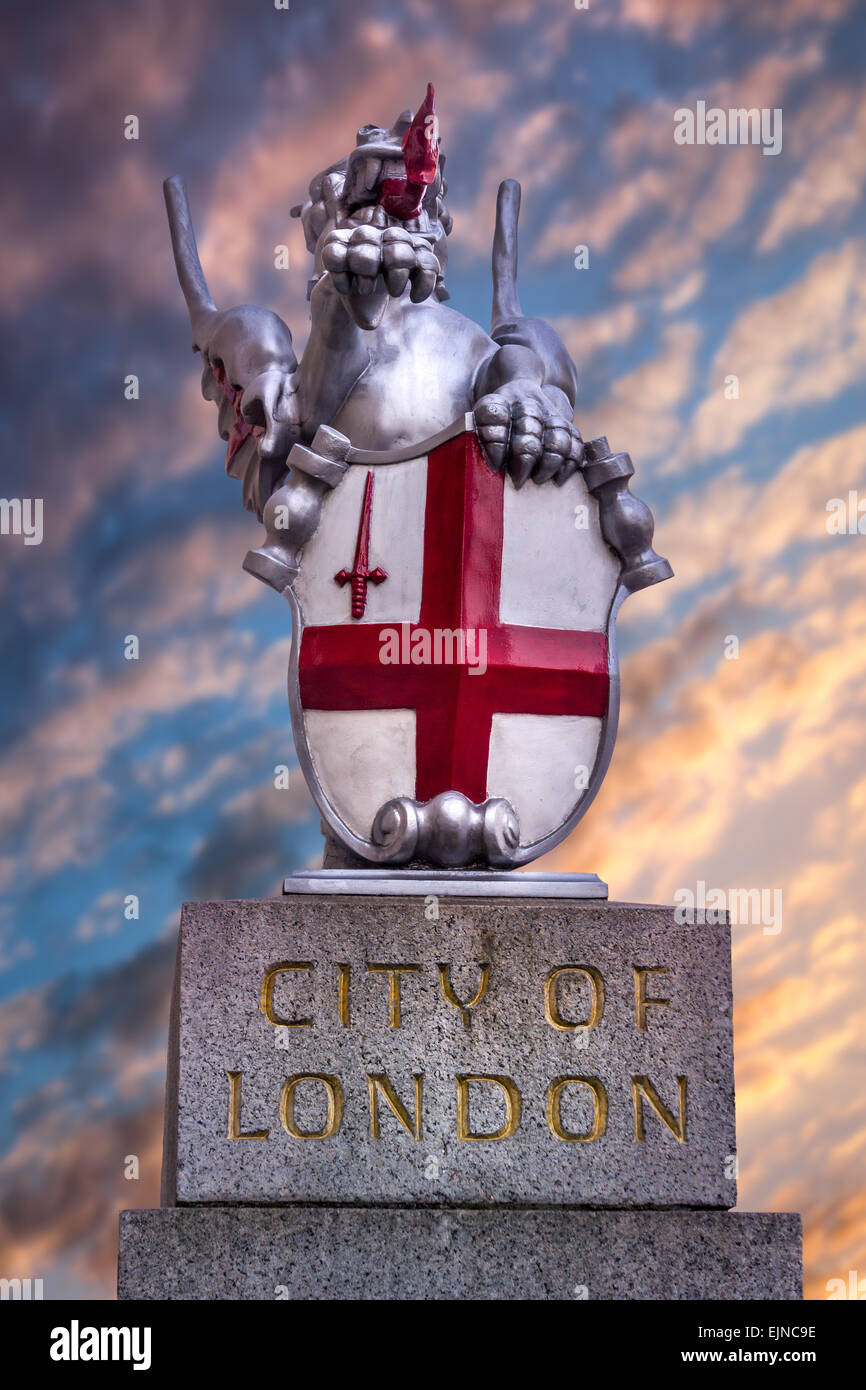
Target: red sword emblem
359, 575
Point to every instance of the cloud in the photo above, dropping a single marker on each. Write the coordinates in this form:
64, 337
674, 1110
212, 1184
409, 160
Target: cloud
49, 779
805, 343
247, 849
63, 1188
682, 21
586, 336
735, 525
681, 199
642, 410
538, 148
103, 66
171, 579
827, 137
103, 918
123, 1006
64, 1179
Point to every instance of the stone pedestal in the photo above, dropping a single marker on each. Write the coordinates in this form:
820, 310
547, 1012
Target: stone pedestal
455, 1253
433, 1096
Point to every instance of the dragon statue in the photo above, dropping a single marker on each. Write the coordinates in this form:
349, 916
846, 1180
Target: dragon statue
393, 381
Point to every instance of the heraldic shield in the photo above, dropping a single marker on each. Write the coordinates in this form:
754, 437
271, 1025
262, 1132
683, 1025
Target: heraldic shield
453, 683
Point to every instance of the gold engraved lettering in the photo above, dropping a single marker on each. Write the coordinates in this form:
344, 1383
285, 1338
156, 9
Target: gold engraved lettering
335, 1105
393, 972
512, 1107
599, 1106
451, 998
234, 1126
551, 1007
378, 1081
267, 1000
343, 972
640, 995
642, 1086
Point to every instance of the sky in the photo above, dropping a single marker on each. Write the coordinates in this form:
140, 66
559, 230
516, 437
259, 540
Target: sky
719, 330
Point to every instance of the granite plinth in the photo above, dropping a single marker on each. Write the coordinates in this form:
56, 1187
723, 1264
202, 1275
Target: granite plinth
399, 1050
276, 1253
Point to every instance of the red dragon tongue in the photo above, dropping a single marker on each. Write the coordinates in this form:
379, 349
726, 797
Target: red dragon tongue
403, 198
421, 143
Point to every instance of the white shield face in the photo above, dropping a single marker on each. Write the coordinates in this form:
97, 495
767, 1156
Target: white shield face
453, 634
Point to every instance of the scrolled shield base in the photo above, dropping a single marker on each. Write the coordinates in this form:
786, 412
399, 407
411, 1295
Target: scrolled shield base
448, 831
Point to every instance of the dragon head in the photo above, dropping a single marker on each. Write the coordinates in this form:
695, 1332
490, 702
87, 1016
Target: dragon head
392, 178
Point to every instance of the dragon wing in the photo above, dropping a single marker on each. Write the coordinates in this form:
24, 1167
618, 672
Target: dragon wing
250, 368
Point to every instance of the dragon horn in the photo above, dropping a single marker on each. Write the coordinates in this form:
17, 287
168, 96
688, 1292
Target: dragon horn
189, 271
506, 305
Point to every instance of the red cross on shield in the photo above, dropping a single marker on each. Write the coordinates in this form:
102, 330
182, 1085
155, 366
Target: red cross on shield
482, 666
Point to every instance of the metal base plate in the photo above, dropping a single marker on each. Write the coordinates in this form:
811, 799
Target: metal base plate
455, 883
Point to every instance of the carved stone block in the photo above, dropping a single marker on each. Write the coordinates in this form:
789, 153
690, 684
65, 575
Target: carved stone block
450, 1051
280, 1253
